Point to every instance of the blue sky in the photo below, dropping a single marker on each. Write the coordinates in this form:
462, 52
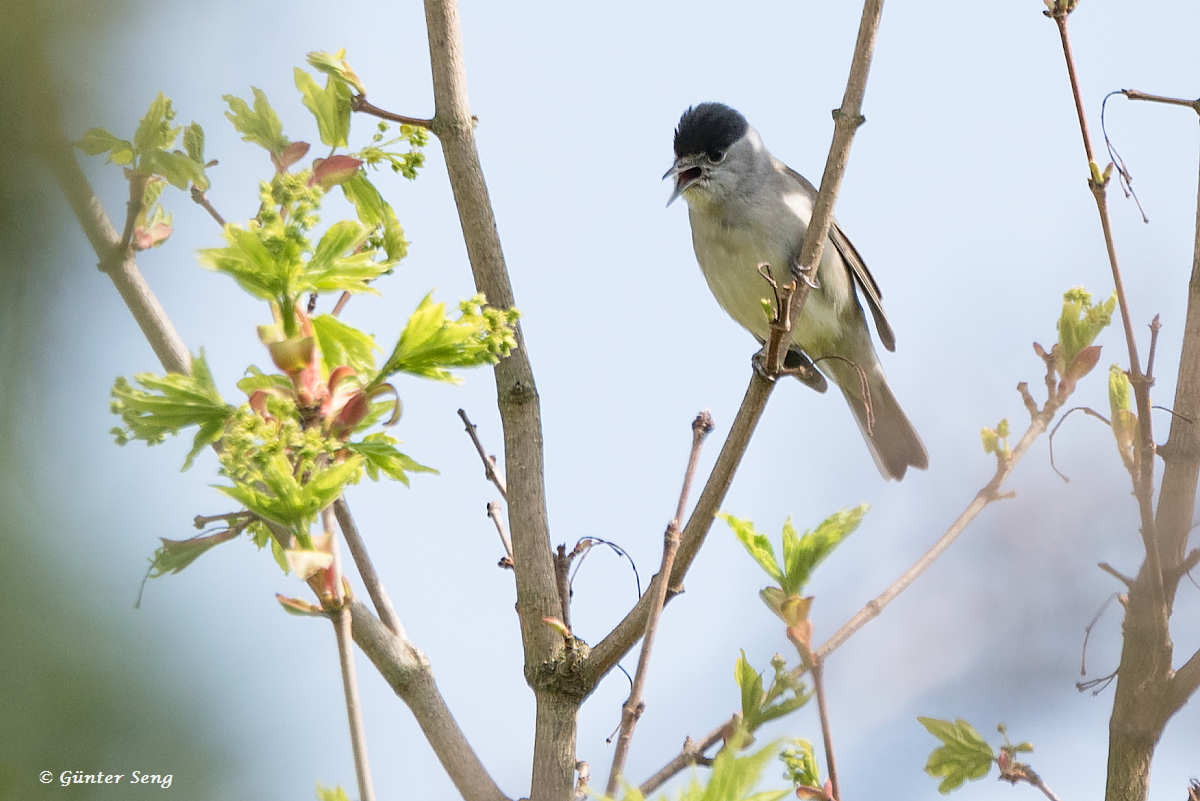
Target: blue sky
966, 195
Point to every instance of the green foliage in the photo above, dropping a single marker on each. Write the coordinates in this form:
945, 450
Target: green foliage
168, 404
801, 554
381, 457
334, 65
331, 793
784, 695
963, 755
407, 163
302, 436
1124, 418
343, 344
996, 440
432, 343
1081, 322
800, 764
174, 555
259, 125
330, 106
374, 211
731, 779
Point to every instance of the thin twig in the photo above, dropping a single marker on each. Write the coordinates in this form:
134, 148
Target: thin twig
1143, 475
202, 201
1058, 425
1087, 630
359, 103
690, 754
493, 511
489, 462
343, 629
366, 568
1134, 94
987, 495
818, 675
632, 710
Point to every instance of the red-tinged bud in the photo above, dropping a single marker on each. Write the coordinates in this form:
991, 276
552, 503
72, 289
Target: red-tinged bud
557, 625
293, 355
258, 402
290, 155
328, 173
351, 414
152, 237
1083, 363
1004, 760
338, 374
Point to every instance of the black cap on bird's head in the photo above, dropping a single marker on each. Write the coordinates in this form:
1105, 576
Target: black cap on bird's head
708, 128
705, 134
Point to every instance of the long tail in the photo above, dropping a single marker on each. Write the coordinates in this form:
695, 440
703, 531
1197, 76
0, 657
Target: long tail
891, 438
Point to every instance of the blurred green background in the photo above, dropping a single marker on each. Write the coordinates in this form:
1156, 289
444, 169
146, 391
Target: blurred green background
79, 689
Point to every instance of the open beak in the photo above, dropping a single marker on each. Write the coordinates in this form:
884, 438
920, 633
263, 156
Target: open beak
685, 174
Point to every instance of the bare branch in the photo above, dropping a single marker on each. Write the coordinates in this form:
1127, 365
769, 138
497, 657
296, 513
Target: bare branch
359, 103
985, 496
818, 674
489, 462
633, 707
405, 668
117, 262
366, 568
342, 625
520, 411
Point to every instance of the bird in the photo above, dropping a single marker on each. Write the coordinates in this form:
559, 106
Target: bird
747, 207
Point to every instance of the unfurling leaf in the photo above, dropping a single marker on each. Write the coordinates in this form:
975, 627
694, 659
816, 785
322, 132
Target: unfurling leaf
757, 545
174, 555
295, 606
334, 65
1124, 418
330, 106
167, 404
381, 456
432, 343
1081, 322
259, 125
963, 755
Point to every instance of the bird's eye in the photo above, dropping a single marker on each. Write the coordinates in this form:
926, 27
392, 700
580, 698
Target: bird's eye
716, 156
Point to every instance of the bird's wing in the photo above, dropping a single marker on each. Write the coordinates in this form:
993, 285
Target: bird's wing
858, 269
866, 283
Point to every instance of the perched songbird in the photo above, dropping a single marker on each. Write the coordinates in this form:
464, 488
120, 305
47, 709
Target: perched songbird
746, 207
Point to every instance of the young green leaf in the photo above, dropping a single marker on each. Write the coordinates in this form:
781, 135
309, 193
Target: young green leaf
800, 763
330, 793
431, 343
343, 344
248, 260
732, 777
167, 404
806, 552
750, 682
259, 125
155, 131
756, 544
963, 755
334, 65
1081, 322
174, 555
374, 212
97, 140
381, 456
330, 106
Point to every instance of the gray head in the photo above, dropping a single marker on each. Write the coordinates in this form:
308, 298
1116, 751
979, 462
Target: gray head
714, 149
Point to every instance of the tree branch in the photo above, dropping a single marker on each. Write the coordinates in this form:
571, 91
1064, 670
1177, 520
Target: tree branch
633, 707
366, 569
342, 626
846, 120
537, 597
116, 261
407, 671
